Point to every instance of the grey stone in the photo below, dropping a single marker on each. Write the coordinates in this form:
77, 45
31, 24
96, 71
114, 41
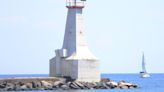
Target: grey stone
23, 87
98, 85
117, 87
112, 84
135, 86
74, 86
68, 83
29, 85
46, 84
85, 85
36, 84
9, 86
124, 87
2, 86
58, 83
105, 86
80, 85
131, 87
105, 80
64, 87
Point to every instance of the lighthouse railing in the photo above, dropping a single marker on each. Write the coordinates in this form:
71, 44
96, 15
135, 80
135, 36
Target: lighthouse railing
75, 4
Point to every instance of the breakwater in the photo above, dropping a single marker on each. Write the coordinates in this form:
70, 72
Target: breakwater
53, 83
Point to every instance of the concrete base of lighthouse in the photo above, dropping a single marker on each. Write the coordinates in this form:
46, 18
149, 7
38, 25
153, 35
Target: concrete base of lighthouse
78, 69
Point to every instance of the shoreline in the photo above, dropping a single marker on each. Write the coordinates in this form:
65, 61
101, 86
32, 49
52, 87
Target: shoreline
54, 83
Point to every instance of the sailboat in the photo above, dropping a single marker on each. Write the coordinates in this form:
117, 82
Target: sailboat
144, 73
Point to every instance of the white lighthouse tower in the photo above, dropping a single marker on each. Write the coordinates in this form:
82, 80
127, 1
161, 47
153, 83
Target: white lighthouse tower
74, 59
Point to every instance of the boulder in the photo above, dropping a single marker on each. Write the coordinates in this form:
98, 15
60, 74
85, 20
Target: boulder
98, 85
124, 87
112, 84
3, 84
58, 83
104, 86
131, 87
64, 87
74, 85
36, 84
105, 80
10, 87
46, 84
29, 85
126, 84
134, 85
87, 85
68, 83
19, 83
79, 84
117, 87
23, 87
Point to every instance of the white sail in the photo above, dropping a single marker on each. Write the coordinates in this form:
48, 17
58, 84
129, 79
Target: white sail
143, 63
144, 73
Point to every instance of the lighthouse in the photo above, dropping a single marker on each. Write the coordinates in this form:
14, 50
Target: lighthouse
74, 59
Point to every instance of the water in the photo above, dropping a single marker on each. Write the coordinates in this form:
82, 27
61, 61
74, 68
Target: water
153, 84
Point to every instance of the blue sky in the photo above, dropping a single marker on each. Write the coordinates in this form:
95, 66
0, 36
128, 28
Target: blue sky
117, 32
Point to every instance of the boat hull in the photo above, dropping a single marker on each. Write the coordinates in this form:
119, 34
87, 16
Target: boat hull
144, 75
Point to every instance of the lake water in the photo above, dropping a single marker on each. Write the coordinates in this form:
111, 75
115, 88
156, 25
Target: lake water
153, 84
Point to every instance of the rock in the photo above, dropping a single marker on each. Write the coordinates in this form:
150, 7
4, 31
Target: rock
36, 84
87, 85
10, 87
126, 84
41, 88
23, 87
68, 83
135, 86
4, 83
80, 85
98, 85
2, 86
112, 84
105, 80
64, 87
131, 87
58, 83
104, 86
117, 87
46, 84
19, 83
62, 80
29, 85
74, 86
17, 87
124, 87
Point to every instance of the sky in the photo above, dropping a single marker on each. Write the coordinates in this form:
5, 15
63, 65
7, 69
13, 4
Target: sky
117, 32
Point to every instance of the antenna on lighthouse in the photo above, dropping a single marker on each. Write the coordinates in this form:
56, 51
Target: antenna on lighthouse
75, 3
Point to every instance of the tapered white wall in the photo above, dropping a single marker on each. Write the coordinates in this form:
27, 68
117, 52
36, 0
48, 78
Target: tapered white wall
75, 59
